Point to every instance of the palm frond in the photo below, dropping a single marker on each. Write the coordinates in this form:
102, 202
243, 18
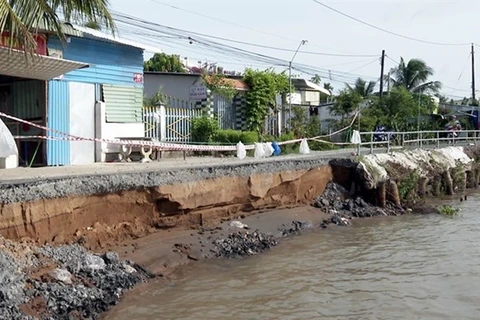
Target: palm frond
81, 11
428, 87
22, 18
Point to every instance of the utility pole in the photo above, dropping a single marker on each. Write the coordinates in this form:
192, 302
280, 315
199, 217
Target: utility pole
388, 80
303, 42
473, 74
382, 65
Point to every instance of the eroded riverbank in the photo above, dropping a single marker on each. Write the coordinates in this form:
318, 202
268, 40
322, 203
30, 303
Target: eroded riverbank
405, 267
164, 220
68, 282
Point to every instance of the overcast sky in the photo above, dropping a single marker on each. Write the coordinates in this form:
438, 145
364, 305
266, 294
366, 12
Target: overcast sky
284, 23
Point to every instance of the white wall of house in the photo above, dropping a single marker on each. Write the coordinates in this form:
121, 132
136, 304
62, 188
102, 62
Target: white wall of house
105, 130
312, 97
82, 122
175, 85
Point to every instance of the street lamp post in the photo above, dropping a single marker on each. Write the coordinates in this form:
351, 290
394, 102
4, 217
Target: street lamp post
303, 42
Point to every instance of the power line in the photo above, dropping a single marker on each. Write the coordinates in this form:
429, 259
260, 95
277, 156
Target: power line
230, 23
219, 47
365, 65
387, 31
220, 20
265, 46
394, 61
284, 49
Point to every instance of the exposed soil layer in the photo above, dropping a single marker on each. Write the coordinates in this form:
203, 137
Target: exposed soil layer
69, 282
101, 220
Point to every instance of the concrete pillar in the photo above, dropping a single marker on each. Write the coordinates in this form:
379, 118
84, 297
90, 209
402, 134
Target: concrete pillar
381, 195
471, 179
436, 185
392, 193
448, 181
422, 187
162, 135
100, 121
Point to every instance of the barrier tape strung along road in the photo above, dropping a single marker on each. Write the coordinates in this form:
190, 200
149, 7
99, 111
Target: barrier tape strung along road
151, 144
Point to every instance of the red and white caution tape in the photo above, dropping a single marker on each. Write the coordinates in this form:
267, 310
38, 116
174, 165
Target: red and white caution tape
146, 144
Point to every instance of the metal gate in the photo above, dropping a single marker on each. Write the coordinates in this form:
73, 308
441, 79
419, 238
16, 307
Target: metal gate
223, 110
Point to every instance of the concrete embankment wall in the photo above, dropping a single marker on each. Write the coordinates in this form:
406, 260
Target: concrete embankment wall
407, 176
134, 204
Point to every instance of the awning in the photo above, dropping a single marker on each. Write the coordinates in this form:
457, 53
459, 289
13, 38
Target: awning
16, 63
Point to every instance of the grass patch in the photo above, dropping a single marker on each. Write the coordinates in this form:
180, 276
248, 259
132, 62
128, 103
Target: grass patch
408, 186
448, 210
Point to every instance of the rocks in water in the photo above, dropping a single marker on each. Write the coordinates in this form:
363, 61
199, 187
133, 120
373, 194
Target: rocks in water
338, 220
295, 227
241, 244
336, 201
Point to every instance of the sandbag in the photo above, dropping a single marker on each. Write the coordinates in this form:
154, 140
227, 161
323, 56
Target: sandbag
356, 139
8, 147
268, 150
259, 151
276, 148
241, 150
304, 148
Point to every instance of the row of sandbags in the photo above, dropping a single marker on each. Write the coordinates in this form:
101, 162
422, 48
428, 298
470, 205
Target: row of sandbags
268, 149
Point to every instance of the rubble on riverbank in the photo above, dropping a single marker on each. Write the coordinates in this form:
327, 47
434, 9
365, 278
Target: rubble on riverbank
245, 243
66, 282
341, 205
336, 201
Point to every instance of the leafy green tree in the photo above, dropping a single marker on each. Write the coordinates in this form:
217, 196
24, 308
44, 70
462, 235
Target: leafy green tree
346, 103
362, 88
21, 18
399, 110
220, 85
162, 62
299, 121
414, 76
264, 87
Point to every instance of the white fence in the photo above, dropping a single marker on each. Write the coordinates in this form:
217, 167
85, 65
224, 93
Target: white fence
169, 124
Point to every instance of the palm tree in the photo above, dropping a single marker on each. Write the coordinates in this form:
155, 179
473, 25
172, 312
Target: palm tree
22, 18
414, 76
328, 86
362, 88
316, 79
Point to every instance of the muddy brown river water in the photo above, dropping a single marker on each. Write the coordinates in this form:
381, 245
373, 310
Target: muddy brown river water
409, 267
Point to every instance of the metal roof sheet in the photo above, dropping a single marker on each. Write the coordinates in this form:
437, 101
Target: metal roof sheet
99, 35
17, 63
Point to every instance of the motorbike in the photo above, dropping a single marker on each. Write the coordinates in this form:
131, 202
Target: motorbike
381, 134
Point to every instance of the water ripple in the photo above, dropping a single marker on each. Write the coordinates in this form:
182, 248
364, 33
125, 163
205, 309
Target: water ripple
410, 267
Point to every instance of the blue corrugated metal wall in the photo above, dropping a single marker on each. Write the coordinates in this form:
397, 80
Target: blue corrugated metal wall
58, 113
111, 63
